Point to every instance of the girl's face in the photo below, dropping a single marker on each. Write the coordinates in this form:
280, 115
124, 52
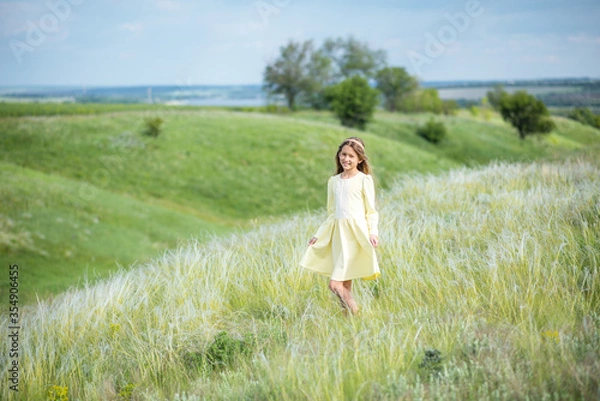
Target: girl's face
349, 159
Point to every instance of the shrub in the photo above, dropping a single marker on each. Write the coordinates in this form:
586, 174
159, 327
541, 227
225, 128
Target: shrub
433, 131
585, 116
354, 101
431, 364
222, 352
450, 107
152, 126
224, 349
275, 109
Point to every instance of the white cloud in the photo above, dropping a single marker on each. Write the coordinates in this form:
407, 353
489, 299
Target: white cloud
541, 58
239, 29
585, 39
394, 43
124, 55
15, 14
249, 45
135, 28
170, 5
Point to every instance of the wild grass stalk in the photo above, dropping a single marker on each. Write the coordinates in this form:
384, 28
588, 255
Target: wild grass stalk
490, 290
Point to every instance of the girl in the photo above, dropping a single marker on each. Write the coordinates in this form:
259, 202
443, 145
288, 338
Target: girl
344, 245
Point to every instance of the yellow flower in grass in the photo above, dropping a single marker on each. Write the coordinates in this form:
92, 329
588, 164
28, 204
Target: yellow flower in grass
114, 329
550, 335
126, 392
58, 393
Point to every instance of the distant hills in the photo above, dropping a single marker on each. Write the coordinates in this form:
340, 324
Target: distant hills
557, 92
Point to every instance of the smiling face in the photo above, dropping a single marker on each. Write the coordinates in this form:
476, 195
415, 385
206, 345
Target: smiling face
349, 159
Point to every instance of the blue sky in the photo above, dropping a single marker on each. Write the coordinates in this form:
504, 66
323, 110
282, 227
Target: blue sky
175, 42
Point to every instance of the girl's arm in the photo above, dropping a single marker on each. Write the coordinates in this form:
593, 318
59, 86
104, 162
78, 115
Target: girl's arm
370, 212
330, 212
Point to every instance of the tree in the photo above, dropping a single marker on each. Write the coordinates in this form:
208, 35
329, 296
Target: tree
395, 83
526, 113
354, 101
351, 57
289, 74
422, 100
320, 76
495, 96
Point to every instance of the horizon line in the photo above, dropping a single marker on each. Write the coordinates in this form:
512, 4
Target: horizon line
441, 81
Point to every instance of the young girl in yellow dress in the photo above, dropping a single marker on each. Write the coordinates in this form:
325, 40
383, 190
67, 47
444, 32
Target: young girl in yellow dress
344, 245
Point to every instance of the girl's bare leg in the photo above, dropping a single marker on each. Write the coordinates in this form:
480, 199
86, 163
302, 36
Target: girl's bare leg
343, 290
350, 299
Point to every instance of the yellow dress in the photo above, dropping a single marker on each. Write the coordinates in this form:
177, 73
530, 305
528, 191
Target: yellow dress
343, 250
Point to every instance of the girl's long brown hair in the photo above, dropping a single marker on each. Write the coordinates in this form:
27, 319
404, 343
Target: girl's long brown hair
359, 147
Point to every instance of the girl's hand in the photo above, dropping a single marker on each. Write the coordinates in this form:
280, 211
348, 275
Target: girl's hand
312, 241
374, 240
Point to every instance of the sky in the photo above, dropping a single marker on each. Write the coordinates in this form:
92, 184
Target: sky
230, 42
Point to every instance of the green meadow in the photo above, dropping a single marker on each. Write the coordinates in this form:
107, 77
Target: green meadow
84, 193
167, 268
490, 290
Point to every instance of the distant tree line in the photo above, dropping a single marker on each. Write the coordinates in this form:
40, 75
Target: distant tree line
348, 77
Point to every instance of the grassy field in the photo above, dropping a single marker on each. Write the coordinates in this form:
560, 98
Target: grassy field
57, 109
490, 290
477, 140
83, 191
62, 231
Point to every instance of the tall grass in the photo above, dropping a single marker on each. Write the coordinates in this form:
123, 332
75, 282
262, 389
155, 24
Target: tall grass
490, 290
129, 195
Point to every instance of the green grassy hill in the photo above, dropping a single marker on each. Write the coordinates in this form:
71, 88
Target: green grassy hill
477, 140
83, 191
61, 231
490, 289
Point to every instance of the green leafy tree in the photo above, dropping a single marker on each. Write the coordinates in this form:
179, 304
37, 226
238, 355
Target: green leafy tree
289, 74
495, 97
395, 84
430, 101
351, 57
526, 113
422, 100
320, 76
353, 101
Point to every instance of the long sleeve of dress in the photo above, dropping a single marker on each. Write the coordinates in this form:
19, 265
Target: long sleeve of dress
370, 212
330, 208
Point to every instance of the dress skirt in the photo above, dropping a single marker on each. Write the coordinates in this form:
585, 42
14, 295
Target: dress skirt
342, 252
